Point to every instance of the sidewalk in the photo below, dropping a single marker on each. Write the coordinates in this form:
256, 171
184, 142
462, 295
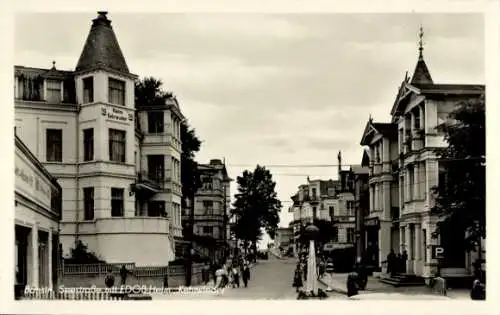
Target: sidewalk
339, 285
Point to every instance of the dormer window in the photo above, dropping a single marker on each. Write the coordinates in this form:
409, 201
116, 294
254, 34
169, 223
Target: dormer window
88, 90
116, 91
53, 93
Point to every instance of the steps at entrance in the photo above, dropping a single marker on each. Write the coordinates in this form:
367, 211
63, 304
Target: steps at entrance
402, 280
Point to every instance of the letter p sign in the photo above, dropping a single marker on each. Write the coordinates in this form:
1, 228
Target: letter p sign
438, 252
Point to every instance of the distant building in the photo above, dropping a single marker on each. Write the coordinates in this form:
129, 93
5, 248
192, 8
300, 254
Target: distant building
211, 211
37, 215
326, 200
118, 166
283, 239
359, 177
381, 224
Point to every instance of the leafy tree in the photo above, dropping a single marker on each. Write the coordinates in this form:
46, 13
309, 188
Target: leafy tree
256, 206
460, 196
148, 92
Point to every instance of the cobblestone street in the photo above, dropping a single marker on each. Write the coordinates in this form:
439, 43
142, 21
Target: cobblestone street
270, 279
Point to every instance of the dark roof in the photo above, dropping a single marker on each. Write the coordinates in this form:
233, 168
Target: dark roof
385, 128
101, 49
449, 88
421, 73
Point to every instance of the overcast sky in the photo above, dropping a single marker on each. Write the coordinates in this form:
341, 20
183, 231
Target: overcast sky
272, 89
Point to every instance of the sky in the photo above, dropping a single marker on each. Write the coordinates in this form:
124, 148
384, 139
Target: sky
272, 89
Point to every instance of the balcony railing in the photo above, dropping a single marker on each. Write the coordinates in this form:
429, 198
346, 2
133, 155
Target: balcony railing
150, 181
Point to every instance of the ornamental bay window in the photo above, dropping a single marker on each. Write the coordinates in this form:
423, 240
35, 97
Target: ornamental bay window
156, 167
116, 91
117, 145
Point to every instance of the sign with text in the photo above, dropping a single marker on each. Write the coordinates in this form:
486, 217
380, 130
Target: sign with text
437, 252
30, 183
117, 114
372, 222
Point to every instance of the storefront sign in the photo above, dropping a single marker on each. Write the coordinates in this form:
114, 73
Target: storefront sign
372, 222
116, 114
29, 182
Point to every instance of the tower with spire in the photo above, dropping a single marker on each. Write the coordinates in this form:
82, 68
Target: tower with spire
421, 74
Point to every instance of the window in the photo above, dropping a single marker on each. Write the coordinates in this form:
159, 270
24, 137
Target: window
56, 202
88, 90
155, 122
350, 207
416, 117
156, 208
442, 179
156, 167
207, 183
331, 211
117, 202
88, 144
54, 145
350, 235
117, 145
116, 91
411, 182
88, 203
53, 92
314, 192
208, 230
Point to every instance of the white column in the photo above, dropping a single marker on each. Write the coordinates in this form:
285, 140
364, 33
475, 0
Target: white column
416, 180
49, 247
418, 242
408, 242
402, 239
34, 256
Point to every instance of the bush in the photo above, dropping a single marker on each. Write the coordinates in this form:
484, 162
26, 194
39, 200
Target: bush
81, 255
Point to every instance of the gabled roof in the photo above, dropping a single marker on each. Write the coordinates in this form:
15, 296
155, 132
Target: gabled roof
101, 49
371, 128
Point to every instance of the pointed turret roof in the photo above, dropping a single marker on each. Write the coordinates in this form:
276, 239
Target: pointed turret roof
421, 75
101, 50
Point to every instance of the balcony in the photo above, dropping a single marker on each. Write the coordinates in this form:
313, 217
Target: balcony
131, 225
149, 183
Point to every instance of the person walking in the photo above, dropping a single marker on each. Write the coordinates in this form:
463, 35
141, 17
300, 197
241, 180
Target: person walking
123, 274
109, 280
245, 274
362, 274
236, 276
297, 278
391, 259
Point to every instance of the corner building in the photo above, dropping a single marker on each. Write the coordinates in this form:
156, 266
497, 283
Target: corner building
120, 176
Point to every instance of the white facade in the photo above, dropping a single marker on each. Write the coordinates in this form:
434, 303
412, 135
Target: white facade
36, 221
89, 139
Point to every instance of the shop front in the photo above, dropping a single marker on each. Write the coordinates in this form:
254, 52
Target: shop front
371, 254
37, 215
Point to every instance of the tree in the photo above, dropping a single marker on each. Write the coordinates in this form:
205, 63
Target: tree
148, 92
256, 206
460, 196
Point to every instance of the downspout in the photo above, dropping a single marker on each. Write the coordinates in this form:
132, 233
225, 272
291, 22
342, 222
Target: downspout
77, 209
